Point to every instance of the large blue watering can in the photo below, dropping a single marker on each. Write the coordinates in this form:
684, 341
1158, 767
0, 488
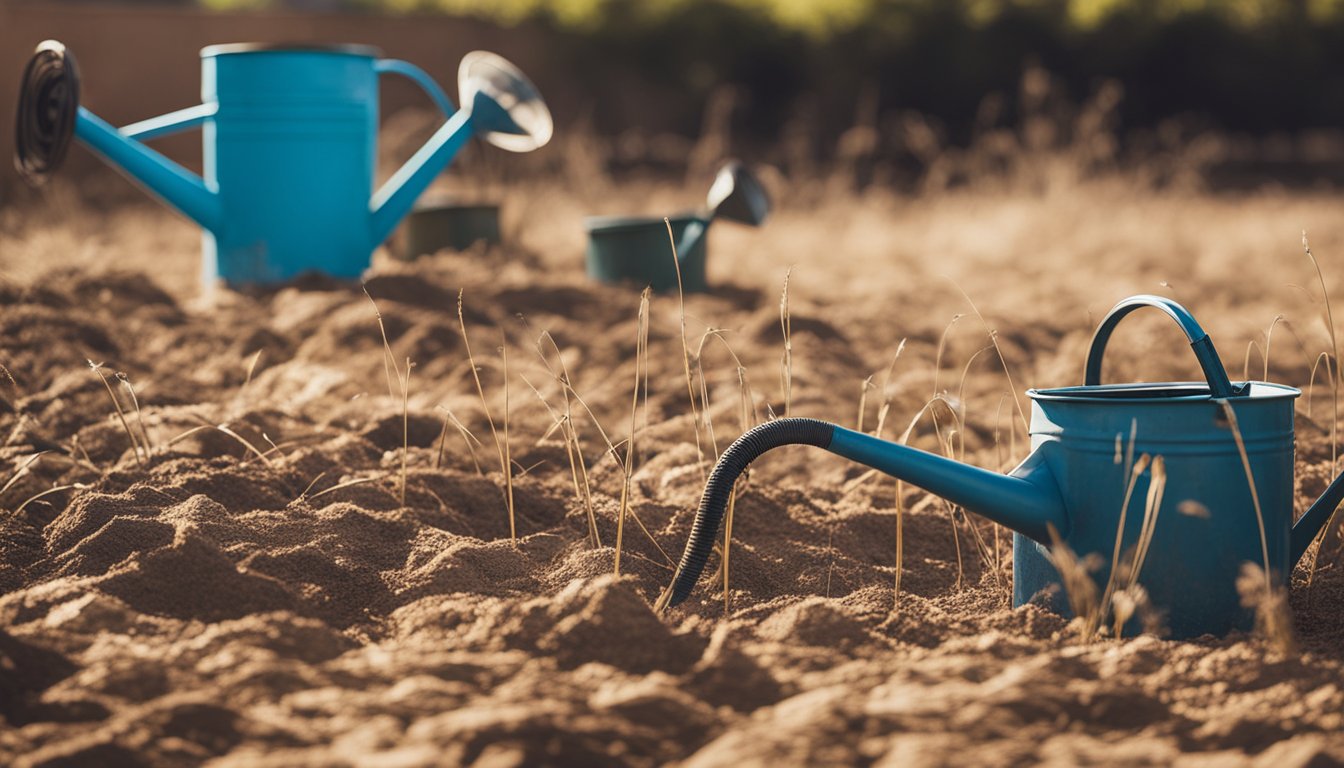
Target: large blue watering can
1073, 485
290, 141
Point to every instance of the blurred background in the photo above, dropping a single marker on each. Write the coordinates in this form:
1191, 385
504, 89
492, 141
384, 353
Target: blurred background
905, 94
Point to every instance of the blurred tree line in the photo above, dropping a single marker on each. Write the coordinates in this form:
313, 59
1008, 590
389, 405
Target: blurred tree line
1253, 66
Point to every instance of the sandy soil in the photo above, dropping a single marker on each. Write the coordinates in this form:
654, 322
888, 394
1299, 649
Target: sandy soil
206, 604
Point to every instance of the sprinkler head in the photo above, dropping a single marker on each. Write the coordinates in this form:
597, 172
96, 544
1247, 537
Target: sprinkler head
48, 107
505, 107
737, 195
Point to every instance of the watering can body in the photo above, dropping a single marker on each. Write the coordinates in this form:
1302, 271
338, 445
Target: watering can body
1206, 524
1221, 496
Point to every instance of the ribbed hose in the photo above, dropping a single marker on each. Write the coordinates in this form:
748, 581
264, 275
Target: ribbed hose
48, 106
719, 489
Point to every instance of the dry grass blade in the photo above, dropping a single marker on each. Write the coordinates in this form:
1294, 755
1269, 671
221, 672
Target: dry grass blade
747, 400
139, 416
900, 548
641, 363
727, 548
344, 485
1311, 381
480, 391
404, 381
864, 386
405, 427
1334, 347
994, 341
467, 437
225, 430
961, 385
251, 369
1269, 339
47, 492
389, 362
1246, 360
747, 415
1076, 578
685, 350
578, 470
786, 367
1256, 584
508, 455
945, 443
886, 390
1132, 597
942, 347
97, 369
706, 416
951, 510
1152, 505
830, 549
309, 487
611, 450
1273, 617
1094, 621
22, 471
1250, 481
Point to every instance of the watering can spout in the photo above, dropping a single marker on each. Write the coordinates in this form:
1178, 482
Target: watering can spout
170, 182
1027, 500
1314, 521
396, 197
736, 195
498, 103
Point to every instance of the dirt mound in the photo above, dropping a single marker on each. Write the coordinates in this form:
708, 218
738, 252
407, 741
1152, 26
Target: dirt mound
245, 568
189, 577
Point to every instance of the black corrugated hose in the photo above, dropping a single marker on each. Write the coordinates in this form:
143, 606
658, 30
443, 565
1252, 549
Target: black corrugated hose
48, 106
719, 489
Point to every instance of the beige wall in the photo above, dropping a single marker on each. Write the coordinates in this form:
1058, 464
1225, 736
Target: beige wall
137, 62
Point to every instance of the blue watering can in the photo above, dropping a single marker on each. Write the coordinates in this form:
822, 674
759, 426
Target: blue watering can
1073, 486
290, 139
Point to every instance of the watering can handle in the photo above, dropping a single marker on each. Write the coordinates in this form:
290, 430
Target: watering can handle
420, 78
1214, 372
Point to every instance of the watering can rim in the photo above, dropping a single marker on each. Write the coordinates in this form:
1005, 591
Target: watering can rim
1133, 392
429, 206
615, 223
341, 49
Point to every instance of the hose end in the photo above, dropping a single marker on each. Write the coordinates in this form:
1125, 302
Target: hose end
719, 490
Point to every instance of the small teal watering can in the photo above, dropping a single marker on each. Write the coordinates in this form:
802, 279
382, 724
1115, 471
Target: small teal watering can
290, 141
637, 249
1073, 484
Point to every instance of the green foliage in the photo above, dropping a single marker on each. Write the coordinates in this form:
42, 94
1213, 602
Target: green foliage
825, 18
1244, 65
